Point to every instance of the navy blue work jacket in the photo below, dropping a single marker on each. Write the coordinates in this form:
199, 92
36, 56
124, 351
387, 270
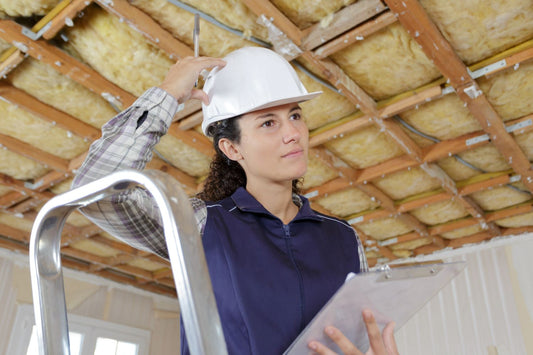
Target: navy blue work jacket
269, 278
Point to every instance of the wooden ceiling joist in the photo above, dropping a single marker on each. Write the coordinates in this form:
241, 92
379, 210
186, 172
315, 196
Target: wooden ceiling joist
342, 21
414, 18
48, 113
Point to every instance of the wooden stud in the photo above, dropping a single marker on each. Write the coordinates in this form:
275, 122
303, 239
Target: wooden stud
11, 32
48, 113
193, 139
356, 34
65, 17
34, 153
342, 21
11, 63
266, 8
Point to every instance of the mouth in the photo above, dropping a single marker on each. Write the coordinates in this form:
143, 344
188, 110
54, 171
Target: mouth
293, 153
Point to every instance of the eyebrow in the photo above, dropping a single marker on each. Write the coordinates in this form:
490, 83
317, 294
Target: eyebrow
269, 114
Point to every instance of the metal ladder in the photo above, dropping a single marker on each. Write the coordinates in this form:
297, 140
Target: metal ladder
189, 268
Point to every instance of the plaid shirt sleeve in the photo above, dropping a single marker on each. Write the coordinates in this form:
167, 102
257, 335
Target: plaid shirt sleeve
127, 142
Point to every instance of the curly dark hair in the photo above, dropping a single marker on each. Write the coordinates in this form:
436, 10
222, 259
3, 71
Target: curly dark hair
226, 175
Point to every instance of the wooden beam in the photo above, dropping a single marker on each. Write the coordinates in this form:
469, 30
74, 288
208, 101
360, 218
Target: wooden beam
342, 21
145, 25
11, 32
65, 17
417, 22
187, 181
48, 113
34, 153
193, 139
356, 34
11, 62
266, 8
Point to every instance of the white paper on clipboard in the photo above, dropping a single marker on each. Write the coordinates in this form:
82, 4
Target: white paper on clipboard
394, 294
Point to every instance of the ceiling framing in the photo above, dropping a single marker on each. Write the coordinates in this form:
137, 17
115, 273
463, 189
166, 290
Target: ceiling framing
315, 45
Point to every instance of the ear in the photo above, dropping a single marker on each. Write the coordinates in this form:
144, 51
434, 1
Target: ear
230, 149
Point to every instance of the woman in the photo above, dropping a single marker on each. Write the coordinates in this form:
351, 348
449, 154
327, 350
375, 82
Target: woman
273, 261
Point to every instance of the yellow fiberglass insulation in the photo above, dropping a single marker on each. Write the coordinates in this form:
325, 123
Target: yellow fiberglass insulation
4, 190
521, 220
39, 133
20, 167
477, 29
183, 156
385, 228
525, 142
457, 170
304, 13
95, 248
411, 244
387, 63
327, 107
11, 220
407, 183
510, 92
317, 173
462, 232
347, 202
440, 212
27, 8
146, 264
443, 119
49, 86
501, 197
213, 41
116, 51
365, 147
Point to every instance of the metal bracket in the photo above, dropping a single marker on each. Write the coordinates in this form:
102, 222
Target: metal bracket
35, 35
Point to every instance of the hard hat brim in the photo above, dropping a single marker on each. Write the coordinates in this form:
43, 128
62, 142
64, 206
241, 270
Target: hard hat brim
269, 104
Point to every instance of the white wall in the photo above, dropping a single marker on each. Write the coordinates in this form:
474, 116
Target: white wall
488, 309
95, 298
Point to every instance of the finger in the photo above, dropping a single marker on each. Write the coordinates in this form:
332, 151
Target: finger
388, 339
340, 339
320, 349
200, 95
374, 334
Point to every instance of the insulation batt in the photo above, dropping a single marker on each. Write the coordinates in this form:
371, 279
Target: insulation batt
440, 212
521, 220
317, 173
365, 147
49, 86
500, 197
39, 133
347, 202
183, 156
213, 41
407, 183
304, 13
478, 29
462, 232
27, 8
385, 228
117, 52
387, 63
20, 167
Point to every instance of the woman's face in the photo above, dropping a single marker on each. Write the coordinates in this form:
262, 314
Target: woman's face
274, 144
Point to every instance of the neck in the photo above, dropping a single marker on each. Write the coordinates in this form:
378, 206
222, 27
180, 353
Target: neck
276, 198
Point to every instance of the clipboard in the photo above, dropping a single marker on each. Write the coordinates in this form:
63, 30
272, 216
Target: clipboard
392, 294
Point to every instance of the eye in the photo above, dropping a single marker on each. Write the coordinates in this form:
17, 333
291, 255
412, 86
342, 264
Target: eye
296, 116
268, 123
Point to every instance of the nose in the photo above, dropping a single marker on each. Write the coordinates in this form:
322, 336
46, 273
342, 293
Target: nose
291, 132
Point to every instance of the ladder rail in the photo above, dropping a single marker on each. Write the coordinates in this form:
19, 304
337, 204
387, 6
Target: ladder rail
189, 268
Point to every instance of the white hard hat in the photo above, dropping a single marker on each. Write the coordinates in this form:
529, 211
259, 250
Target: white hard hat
254, 78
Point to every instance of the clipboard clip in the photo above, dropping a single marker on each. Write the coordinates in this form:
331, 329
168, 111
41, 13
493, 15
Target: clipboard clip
386, 273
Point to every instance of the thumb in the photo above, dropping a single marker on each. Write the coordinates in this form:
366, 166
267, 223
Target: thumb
200, 95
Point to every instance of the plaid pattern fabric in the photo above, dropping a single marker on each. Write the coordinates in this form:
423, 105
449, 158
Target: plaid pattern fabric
127, 142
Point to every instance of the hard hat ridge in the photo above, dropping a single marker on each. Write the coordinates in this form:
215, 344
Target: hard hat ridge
254, 78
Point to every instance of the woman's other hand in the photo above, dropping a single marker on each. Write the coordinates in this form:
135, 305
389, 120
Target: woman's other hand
380, 344
180, 79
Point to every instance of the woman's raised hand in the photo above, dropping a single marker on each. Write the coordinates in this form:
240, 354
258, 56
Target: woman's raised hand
180, 79
380, 344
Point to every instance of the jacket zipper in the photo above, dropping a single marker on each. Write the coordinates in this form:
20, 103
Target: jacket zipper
287, 238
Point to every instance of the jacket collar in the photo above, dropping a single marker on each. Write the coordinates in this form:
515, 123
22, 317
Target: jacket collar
247, 203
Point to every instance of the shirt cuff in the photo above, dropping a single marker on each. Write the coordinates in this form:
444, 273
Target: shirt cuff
156, 96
